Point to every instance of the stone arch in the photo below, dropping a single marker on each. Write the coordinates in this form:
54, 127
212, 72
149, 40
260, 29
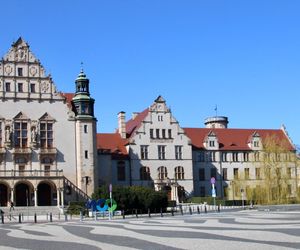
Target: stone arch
24, 194
46, 191
4, 194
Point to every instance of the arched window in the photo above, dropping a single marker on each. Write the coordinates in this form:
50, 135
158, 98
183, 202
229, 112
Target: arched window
179, 173
145, 173
121, 171
162, 173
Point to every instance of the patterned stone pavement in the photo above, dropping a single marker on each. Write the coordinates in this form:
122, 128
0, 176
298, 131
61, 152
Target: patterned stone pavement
228, 230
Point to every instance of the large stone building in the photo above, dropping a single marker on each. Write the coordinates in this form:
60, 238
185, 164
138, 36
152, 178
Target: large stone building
51, 153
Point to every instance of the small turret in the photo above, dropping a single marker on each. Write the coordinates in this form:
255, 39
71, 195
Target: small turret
216, 122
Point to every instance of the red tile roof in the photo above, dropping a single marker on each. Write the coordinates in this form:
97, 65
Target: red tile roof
68, 97
112, 143
234, 139
134, 124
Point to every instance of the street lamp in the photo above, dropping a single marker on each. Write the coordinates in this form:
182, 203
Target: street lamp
86, 179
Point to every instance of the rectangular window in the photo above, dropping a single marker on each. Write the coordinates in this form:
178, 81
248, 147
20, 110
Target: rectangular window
201, 157
151, 133
246, 156
289, 189
235, 156
144, 152
20, 71
235, 173
256, 156
256, 144
20, 87
32, 87
210, 156
213, 173
247, 173
257, 173
224, 173
86, 155
46, 134
20, 134
7, 87
288, 170
85, 129
164, 134
178, 152
170, 133
224, 157
201, 174
161, 152
157, 133
121, 171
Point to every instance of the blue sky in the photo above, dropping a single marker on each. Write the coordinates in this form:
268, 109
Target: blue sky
243, 56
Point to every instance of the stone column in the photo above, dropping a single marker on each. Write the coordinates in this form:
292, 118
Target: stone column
62, 197
58, 197
12, 195
35, 198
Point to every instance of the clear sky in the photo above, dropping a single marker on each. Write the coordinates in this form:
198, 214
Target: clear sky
243, 56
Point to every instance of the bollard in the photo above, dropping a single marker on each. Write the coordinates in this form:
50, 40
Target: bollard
20, 221
136, 213
161, 213
205, 209
50, 217
123, 213
181, 211
198, 210
95, 214
2, 218
172, 212
35, 218
81, 217
149, 213
190, 210
47, 216
219, 208
66, 217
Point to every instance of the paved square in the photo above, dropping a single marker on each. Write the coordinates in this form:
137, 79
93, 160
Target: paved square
228, 230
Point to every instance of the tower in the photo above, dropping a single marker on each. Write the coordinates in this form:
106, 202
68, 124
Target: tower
85, 135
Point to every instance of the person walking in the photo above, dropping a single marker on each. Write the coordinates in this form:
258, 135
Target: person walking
11, 206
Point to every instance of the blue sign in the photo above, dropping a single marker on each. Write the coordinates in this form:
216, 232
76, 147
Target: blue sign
102, 205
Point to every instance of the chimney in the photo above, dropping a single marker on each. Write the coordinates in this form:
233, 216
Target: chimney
122, 125
134, 115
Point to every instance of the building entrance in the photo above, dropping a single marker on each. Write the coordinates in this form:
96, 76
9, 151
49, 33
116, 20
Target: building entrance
44, 193
3, 195
23, 195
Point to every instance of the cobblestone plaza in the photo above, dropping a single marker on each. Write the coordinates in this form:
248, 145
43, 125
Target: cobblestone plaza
228, 230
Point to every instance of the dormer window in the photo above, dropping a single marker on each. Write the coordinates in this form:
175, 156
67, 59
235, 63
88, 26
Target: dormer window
211, 143
256, 144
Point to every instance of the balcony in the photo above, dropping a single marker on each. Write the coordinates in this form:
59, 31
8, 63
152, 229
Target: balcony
48, 151
22, 151
6, 174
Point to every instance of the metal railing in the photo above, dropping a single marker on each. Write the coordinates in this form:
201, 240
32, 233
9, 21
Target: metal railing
31, 173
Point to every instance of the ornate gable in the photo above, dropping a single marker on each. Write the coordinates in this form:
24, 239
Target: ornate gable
21, 116
46, 117
22, 76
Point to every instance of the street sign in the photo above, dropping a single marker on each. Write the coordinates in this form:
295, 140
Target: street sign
110, 187
212, 180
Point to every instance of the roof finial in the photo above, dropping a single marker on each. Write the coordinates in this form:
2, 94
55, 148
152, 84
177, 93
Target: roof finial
81, 70
216, 110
